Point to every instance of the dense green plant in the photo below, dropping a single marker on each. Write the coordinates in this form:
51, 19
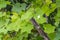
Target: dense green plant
15, 18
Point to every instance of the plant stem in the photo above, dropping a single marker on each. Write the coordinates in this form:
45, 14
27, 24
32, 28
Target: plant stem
38, 28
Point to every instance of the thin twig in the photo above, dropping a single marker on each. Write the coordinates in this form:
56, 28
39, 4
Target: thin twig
38, 28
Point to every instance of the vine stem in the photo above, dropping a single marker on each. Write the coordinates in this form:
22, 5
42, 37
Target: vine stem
38, 28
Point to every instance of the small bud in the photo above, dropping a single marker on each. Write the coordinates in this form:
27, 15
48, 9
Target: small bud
38, 16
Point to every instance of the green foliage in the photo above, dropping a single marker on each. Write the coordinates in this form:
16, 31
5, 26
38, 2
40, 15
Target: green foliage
18, 7
57, 3
49, 28
15, 18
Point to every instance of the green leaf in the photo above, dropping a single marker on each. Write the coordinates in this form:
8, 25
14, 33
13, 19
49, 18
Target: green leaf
57, 18
1, 14
14, 17
28, 14
27, 28
50, 10
41, 20
48, 28
47, 10
39, 16
58, 3
3, 4
14, 25
57, 36
58, 13
3, 30
52, 36
18, 7
1, 36
48, 1
3, 24
20, 36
